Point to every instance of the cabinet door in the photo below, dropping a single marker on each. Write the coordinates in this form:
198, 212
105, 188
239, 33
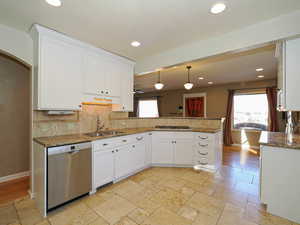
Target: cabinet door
123, 162
292, 78
103, 167
138, 155
162, 151
280, 54
148, 156
60, 75
95, 71
126, 87
183, 152
113, 78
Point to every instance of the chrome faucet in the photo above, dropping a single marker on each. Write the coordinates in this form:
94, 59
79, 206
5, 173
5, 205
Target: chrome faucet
100, 125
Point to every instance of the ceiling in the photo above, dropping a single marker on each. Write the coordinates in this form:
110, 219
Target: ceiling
158, 25
227, 68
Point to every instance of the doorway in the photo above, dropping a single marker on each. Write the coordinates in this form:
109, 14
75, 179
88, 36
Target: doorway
194, 105
15, 119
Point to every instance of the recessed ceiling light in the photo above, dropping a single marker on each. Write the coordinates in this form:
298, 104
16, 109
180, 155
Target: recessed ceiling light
135, 44
210, 82
218, 8
260, 76
55, 3
200, 78
259, 69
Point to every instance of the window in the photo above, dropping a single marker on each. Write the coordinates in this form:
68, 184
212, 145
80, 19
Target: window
148, 108
250, 111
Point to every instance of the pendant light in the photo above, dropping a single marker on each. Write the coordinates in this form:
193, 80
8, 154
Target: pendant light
188, 85
158, 85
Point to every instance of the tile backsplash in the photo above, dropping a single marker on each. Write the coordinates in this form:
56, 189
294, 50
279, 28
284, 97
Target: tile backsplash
85, 121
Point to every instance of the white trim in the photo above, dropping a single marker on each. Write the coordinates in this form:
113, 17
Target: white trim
14, 176
193, 95
251, 146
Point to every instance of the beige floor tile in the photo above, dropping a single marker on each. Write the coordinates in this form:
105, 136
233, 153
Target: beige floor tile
247, 188
188, 213
232, 215
27, 212
165, 217
99, 221
173, 183
138, 215
204, 219
170, 199
261, 217
77, 213
126, 221
206, 204
129, 189
147, 205
8, 214
231, 196
195, 177
114, 209
93, 201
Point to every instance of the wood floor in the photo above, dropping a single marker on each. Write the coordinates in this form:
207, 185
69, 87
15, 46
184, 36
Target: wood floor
245, 159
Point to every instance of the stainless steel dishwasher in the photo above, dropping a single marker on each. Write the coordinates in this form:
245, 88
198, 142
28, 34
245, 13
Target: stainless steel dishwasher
69, 173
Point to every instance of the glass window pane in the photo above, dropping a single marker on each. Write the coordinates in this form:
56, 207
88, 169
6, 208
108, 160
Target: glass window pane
251, 111
148, 108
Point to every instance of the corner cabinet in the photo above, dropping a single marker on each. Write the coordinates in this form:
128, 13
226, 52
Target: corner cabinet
288, 53
68, 72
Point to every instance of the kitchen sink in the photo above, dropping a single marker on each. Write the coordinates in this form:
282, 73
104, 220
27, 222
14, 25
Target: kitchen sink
104, 133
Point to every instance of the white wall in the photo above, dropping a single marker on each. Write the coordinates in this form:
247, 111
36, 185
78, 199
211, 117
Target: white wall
271, 30
16, 43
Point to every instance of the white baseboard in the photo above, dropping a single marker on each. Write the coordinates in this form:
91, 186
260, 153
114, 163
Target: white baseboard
14, 176
253, 147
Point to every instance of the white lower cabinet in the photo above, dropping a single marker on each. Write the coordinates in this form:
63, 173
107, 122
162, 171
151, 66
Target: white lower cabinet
183, 152
103, 167
138, 155
123, 161
162, 151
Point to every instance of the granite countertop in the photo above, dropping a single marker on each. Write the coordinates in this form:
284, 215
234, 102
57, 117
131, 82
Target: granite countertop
79, 138
278, 139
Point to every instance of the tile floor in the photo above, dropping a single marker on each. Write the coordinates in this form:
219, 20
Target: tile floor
162, 196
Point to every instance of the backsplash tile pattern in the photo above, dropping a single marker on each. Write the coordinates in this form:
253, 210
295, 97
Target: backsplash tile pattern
85, 121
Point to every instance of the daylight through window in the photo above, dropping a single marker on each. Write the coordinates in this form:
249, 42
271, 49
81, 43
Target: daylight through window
250, 111
148, 108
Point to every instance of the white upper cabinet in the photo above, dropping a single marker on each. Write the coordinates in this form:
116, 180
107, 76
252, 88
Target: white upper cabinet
288, 53
101, 75
58, 72
69, 72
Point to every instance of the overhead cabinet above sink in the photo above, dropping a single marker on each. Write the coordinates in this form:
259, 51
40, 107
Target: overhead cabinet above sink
68, 72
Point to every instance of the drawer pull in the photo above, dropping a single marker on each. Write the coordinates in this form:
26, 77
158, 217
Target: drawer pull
203, 145
206, 153
203, 138
201, 163
139, 138
124, 140
104, 144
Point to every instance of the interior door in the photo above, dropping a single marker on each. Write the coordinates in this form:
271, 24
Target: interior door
183, 152
123, 161
162, 151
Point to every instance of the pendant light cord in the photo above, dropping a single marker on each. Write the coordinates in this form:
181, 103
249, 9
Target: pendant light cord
188, 68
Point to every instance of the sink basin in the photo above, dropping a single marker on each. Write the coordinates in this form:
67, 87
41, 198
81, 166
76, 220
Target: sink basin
103, 133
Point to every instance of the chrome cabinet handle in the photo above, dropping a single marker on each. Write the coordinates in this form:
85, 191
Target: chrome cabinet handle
201, 163
150, 133
139, 138
124, 140
133, 146
104, 144
73, 152
203, 153
203, 145
203, 138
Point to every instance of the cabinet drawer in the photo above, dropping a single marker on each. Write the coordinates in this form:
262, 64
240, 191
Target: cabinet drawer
162, 135
107, 143
183, 135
